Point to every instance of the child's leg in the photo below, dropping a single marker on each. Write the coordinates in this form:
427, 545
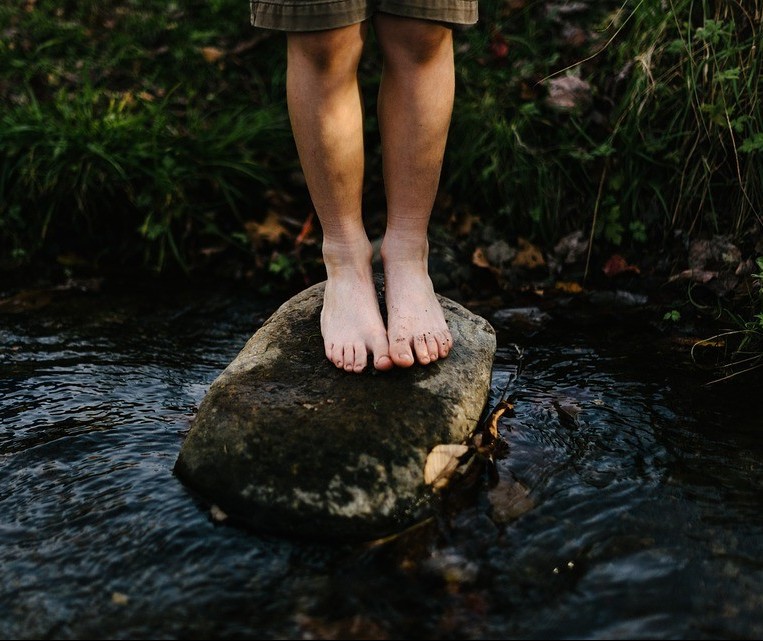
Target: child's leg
327, 119
415, 105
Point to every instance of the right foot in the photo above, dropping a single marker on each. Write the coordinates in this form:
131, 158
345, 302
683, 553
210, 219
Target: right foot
351, 323
417, 329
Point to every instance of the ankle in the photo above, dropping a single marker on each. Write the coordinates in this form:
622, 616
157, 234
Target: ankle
343, 254
407, 250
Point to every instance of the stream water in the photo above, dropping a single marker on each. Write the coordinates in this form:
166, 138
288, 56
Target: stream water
642, 516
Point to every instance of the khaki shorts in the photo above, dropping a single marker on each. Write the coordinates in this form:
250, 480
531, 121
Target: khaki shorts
314, 15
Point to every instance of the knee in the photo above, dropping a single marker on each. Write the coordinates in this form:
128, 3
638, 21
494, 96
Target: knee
416, 43
326, 52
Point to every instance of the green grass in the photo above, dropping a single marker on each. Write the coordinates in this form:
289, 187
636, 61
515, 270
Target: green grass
669, 138
137, 133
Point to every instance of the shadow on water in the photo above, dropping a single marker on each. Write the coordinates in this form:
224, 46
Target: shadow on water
641, 511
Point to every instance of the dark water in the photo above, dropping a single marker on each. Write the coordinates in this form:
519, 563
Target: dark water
644, 517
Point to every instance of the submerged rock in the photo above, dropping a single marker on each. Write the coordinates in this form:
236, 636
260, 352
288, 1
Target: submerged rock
286, 442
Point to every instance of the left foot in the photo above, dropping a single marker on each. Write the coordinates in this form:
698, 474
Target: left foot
416, 326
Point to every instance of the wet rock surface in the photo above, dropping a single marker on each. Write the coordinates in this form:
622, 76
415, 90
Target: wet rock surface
286, 442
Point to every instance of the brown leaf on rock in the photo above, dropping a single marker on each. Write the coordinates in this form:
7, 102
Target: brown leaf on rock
500, 409
441, 462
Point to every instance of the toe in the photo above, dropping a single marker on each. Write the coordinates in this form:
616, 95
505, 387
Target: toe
432, 348
400, 352
361, 358
380, 349
336, 355
329, 348
444, 343
422, 352
349, 357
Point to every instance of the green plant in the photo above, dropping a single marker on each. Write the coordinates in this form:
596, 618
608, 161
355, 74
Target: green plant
744, 344
136, 131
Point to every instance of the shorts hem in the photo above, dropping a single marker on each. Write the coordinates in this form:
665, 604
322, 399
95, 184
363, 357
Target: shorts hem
331, 14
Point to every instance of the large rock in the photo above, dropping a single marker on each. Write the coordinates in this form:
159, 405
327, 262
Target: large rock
288, 443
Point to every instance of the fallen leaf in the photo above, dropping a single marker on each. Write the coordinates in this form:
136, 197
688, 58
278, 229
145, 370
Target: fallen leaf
568, 287
568, 93
528, 256
701, 276
212, 54
270, 230
479, 259
509, 500
495, 416
616, 264
217, 514
441, 462
119, 598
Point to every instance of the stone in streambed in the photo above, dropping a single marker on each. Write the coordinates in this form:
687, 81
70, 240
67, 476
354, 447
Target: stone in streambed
288, 443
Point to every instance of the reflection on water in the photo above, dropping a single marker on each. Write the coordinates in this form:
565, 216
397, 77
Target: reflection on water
646, 488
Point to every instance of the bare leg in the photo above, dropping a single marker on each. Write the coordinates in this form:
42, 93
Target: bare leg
415, 106
326, 114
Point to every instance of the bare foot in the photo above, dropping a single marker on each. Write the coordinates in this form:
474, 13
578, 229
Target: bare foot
416, 326
351, 323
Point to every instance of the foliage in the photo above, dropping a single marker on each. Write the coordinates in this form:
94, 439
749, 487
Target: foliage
152, 133
134, 131
747, 353
660, 129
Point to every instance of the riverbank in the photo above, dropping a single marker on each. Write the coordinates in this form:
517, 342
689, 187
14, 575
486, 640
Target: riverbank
594, 146
694, 298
